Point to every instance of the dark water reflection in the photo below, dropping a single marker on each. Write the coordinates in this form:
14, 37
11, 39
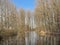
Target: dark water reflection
32, 38
35, 39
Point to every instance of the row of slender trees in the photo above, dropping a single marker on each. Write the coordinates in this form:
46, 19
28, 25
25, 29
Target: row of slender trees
44, 19
47, 20
8, 15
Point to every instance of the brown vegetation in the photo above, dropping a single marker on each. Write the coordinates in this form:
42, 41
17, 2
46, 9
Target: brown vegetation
44, 20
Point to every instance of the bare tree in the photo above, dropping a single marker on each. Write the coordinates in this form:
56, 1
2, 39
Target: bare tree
48, 11
21, 33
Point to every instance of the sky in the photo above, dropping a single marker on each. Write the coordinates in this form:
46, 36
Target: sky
25, 4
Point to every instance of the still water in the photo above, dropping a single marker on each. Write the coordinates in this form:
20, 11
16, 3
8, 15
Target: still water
33, 38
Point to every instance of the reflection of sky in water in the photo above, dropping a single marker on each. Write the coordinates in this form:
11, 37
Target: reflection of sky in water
32, 38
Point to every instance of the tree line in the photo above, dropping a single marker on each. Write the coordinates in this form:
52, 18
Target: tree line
44, 18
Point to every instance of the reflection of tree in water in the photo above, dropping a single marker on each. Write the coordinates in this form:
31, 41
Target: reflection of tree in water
58, 42
31, 38
1, 38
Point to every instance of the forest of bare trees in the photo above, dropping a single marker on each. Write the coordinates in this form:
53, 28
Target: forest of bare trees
25, 27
